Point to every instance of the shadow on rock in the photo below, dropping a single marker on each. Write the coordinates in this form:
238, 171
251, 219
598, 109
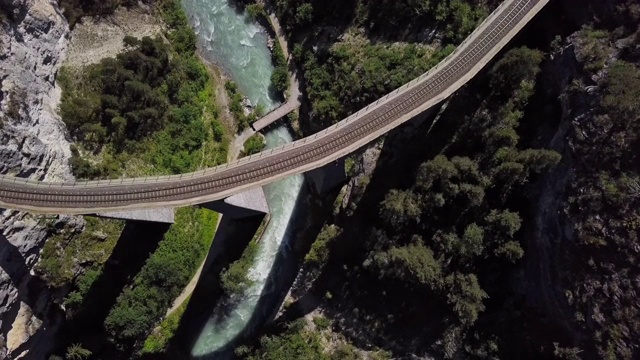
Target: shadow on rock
137, 241
30, 300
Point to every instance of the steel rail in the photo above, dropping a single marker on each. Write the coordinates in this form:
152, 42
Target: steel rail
305, 154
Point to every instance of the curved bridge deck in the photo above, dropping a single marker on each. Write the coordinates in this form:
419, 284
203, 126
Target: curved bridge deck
312, 152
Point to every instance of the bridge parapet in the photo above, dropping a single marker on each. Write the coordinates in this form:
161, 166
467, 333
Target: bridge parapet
378, 118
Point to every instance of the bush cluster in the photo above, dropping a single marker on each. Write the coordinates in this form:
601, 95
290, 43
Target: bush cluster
254, 144
153, 102
352, 76
237, 108
439, 233
163, 277
455, 18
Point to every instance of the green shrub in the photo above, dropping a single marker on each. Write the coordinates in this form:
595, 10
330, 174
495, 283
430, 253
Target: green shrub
279, 59
594, 48
148, 103
319, 253
280, 79
66, 248
254, 144
163, 276
75, 298
77, 352
158, 340
234, 279
322, 322
304, 14
74, 10
237, 109
256, 11
294, 343
352, 76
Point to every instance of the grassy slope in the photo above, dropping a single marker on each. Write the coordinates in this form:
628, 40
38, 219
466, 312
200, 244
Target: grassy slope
186, 243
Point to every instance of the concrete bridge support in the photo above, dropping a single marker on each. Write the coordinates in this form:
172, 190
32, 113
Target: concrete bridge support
243, 205
246, 204
161, 215
328, 177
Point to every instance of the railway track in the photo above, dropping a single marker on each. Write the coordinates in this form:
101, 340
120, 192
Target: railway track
302, 155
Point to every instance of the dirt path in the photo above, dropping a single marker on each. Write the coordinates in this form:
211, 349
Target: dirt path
294, 84
96, 38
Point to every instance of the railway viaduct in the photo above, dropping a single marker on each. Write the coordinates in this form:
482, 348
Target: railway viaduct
214, 184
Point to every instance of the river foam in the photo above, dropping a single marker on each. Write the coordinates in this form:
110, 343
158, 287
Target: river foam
236, 44
222, 327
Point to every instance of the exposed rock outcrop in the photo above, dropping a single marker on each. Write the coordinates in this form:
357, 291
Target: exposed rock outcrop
33, 137
34, 38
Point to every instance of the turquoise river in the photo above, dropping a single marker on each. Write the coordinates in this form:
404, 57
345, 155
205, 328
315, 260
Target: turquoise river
230, 40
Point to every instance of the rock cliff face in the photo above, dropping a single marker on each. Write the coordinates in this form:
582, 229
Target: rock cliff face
552, 225
581, 286
33, 137
33, 38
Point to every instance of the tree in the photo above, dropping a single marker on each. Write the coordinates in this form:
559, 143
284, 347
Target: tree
511, 250
538, 160
472, 241
509, 172
622, 87
500, 136
462, 19
280, 78
465, 295
184, 40
414, 264
304, 14
400, 207
472, 195
438, 169
517, 65
77, 352
503, 222
255, 11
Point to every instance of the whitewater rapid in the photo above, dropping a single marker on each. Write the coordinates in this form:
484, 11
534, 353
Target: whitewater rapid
224, 326
231, 41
